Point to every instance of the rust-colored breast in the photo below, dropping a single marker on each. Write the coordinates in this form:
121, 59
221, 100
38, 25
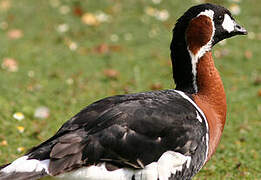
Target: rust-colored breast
211, 99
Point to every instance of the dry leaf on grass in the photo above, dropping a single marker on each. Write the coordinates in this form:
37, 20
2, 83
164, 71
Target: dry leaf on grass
15, 34
10, 64
3, 143
77, 11
111, 73
156, 86
259, 93
248, 54
90, 19
5, 5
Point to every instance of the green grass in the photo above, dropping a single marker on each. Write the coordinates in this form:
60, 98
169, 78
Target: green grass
141, 62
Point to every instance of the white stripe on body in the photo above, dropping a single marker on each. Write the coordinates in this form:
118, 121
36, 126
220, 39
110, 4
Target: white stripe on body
169, 163
22, 164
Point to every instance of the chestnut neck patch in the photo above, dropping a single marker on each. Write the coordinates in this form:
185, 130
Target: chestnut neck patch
199, 33
199, 36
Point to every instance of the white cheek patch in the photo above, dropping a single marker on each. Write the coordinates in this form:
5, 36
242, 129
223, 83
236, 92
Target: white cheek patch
228, 24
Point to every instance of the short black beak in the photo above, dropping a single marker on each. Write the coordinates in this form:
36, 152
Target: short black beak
239, 30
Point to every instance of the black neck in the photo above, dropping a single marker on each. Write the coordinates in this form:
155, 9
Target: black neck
181, 61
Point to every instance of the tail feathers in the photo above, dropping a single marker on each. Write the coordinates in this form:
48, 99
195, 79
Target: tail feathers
22, 175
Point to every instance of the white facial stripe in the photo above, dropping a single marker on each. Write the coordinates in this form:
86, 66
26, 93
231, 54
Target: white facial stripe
209, 13
228, 24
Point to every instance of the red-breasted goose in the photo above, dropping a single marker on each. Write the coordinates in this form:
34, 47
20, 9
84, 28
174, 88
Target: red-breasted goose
168, 134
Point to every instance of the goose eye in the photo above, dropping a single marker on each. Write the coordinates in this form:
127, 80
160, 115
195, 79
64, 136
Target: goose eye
220, 18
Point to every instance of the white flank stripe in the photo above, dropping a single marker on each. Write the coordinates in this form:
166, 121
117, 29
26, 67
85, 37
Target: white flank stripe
203, 115
98, 172
169, 163
23, 165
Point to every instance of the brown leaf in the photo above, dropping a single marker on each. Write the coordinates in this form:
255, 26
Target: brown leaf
15, 34
259, 93
77, 11
248, 54
5, 5
3, 143
111, 73
101, 49
156, 86
115, 48
10, 64
90, 19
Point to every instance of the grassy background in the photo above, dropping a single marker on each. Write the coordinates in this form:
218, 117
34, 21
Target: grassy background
134, 46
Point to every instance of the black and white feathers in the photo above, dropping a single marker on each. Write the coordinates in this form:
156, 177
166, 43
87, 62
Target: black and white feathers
130, 131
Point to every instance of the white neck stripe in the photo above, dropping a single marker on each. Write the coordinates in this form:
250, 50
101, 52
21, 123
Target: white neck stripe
202, 50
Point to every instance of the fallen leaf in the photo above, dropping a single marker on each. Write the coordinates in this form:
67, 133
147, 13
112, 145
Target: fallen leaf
15, 34
3, 143
111, 73
90, 19
150, 11
77, 11
248, 54
115, 48
5, 5
10, 64
102, 49
156, 86
259, 93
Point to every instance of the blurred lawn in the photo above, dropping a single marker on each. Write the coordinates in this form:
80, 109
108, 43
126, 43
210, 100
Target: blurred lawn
65, 64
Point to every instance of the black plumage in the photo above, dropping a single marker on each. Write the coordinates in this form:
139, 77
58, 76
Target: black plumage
127, 131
